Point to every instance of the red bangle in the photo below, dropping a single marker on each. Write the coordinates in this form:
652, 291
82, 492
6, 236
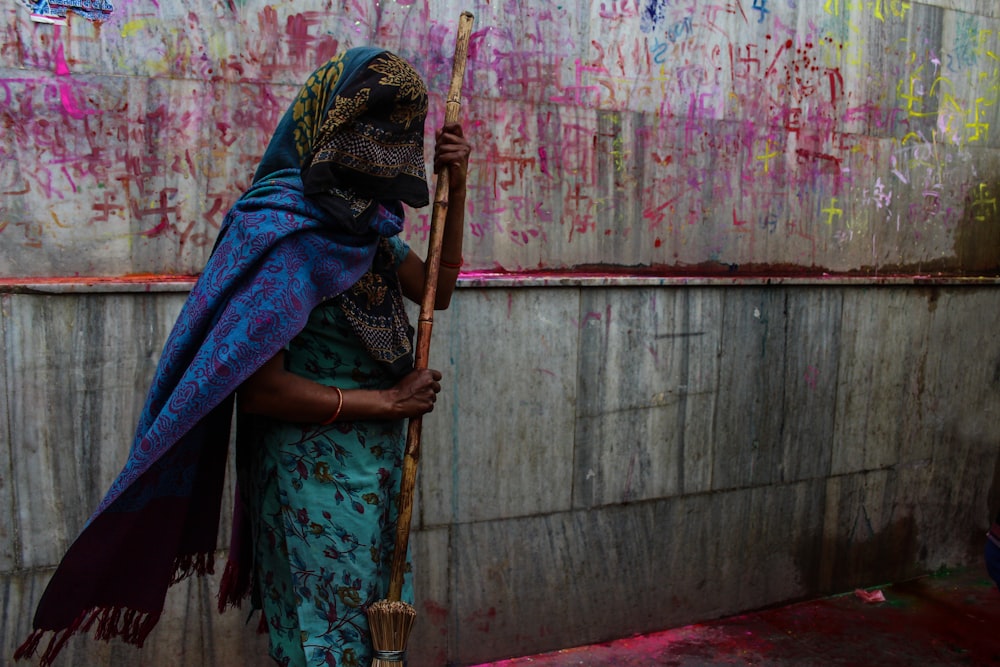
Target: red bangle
452, 265
336, 413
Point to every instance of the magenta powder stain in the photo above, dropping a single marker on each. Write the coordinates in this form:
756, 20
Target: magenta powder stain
64, 84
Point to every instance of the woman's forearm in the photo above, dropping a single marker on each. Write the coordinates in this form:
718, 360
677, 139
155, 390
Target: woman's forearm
280, 394
275, 392
451, 249
413, 270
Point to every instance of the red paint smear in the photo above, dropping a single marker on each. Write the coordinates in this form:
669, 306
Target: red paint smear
437, 612
730, 274
130, 279
152, 278
927, 621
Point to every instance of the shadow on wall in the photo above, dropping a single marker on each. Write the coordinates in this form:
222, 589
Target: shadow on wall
860, 560
977, 238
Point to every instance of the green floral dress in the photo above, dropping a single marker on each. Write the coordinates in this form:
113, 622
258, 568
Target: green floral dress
322, 505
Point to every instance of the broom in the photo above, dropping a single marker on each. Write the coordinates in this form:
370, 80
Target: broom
390, 620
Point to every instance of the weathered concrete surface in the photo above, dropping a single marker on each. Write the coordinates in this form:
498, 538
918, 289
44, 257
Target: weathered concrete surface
602, 461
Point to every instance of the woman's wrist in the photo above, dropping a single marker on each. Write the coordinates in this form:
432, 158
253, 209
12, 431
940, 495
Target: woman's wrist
336, 412
388, 408
367, 404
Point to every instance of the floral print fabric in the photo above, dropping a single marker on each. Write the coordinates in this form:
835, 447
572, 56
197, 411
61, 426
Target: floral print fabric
323, 506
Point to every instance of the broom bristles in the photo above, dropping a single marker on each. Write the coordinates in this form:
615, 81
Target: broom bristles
390, 622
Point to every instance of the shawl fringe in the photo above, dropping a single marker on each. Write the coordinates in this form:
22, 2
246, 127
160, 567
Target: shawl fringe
234, 586
187, 565
30, 645
129, 625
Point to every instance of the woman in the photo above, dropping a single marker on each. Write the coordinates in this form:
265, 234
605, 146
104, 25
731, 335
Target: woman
322, 464
298, 309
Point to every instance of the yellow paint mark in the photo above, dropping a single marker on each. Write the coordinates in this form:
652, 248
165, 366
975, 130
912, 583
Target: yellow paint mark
618, 153
982, 38
939, 80
950, 100
832, 211
897, 8
911, 97
132, 27
854, 49
982, 129
767, 157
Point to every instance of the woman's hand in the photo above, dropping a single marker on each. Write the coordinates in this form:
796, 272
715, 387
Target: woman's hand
275, 392
452, 151
415, 394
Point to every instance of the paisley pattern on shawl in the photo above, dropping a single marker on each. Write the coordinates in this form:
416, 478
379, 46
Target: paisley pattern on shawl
256, 293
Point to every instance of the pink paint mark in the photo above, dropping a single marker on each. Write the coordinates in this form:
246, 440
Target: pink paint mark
224, 136
482, 619
163, 211
543, 163
812, 376
65, 89
475, 40
578, 89
62, 68
70, 179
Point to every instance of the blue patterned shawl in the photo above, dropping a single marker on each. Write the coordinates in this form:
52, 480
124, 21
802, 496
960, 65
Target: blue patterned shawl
279, 254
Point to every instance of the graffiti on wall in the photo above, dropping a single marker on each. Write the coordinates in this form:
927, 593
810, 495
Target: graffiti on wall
670, 136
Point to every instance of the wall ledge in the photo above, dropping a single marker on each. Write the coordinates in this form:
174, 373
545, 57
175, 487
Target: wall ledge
139, 284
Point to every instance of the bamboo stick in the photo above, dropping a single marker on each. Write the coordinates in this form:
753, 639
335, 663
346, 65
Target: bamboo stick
425, 323
390, 620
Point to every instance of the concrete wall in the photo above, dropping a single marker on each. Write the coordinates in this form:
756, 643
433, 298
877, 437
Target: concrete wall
761, 363
605, 459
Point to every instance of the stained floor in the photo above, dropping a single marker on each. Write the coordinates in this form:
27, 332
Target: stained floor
950, 618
